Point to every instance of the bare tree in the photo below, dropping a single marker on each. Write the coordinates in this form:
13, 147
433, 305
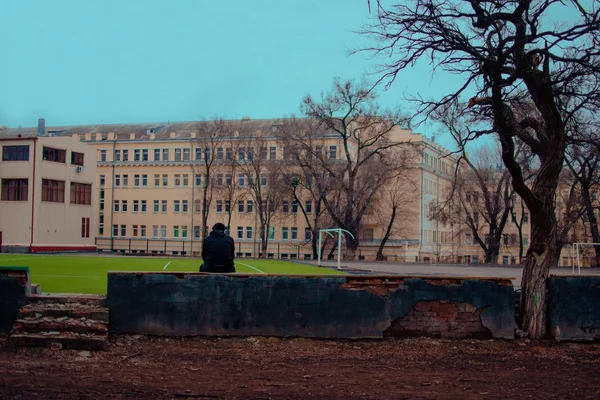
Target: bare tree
399, 197
265, 183
584, 163
529, 78
350, 114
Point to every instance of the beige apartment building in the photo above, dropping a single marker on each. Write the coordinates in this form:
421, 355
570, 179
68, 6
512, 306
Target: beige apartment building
149, 179
47, 184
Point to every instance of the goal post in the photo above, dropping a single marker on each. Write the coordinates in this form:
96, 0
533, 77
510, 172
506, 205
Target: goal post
339, 247
577, 253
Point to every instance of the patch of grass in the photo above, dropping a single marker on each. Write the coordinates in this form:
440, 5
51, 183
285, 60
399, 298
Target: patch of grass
87, 274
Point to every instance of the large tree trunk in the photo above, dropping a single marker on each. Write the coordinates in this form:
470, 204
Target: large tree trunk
315, 244
540, 256
491, 253
388, 231
352, 246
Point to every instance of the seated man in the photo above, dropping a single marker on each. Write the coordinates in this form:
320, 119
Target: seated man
218, 251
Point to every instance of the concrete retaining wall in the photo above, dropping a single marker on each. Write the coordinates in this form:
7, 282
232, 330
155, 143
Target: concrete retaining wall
574, 307
323, 307
14, 289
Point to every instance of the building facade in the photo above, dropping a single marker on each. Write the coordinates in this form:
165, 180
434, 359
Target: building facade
46, 193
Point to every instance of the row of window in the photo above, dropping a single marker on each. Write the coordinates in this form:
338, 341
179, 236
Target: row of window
52, 191
220, 153
181, 232
182, 206
507, 239
21, 153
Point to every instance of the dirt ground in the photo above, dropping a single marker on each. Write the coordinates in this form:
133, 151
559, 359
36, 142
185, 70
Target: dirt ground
270, 368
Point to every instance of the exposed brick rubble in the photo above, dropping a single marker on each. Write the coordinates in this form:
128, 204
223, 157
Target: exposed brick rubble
443, 319
57, 322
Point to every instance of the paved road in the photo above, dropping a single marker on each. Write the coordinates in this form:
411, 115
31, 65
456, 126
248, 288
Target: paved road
484, 271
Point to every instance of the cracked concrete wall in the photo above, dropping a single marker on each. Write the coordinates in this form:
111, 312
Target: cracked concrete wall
574, 308
15, 286
321, 307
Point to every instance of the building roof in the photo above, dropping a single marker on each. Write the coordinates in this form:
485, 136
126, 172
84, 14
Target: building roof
162, 130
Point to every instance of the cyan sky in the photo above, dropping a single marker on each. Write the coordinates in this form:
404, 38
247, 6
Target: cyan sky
121, 61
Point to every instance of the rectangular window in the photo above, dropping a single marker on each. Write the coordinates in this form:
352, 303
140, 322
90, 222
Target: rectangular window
525, 240
124, 206
228, 180
272, 153
177, 180
15, 189
136, 155
156, 180
155, 231
248, 232
156, 206
263, 207
184, 231
125, 155
263, 180
525, 217
177, 154
117, 156
250, 153
144, 180
163, 206
249, 206
240, 206
196, 230
285, 207
307, 234
165, 158
219, 179
165, 180
156, 158
271, 232
198, 180
123, 230
332, 152
54, 155
81, 193
136, 180
136, 206
242, 153
263, 153
135, 231
308, 206
285, 234
163, 231
116, 206
186, 154
144, 154
53, 191
102, 155
115, 230
294, 207
186, 180
176, 231
228, 154
175, 206
227, 206
76, 159
468, 238
207, 155
102, 180
198, 153
219, 206
143, 230
197, 206
240, 232
294, 233
220, 153
143, 204
184, 206
241, 178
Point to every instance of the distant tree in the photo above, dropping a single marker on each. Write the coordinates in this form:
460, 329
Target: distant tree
354, 173
529, 78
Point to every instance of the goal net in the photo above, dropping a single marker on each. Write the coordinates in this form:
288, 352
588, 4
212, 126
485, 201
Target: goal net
584, 255
331, 232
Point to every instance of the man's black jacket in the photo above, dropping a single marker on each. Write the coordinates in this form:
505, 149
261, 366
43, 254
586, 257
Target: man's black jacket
218, 250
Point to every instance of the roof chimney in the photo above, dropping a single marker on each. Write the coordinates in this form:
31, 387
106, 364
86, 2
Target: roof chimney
41, 127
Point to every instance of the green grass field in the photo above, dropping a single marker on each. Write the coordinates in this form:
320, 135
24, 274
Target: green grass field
87, 274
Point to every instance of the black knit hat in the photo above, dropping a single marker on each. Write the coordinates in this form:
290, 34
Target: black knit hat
218, 227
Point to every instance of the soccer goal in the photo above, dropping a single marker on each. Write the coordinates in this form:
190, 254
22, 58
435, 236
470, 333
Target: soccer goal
339, 246
583, 255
